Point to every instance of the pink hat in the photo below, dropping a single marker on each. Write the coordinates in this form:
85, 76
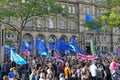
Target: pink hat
113, 65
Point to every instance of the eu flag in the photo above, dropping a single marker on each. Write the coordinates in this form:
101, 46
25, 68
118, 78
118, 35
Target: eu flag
44, 53
74, 47
16, 58
51, 46
88, 18
61, 45
27, 45
39, 45
7, 49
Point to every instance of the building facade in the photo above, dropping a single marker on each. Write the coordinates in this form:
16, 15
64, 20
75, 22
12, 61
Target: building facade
2, 34
58, 27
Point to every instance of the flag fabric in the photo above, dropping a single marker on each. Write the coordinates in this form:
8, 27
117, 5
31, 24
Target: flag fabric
43, 53
43, 50
51, 46
86, 57
16, 58
92, 47
27, 45
22, 48
73, 46
40, 45
26, 52
96, 30
73, 41
16, 45
61, 45
88, 18
25, 48
56, 55
6, 49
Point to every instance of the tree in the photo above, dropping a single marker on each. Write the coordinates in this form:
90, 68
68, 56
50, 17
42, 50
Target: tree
111, 15
110, 18
24, 11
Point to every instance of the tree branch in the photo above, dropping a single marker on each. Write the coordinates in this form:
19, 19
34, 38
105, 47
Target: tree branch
10, 25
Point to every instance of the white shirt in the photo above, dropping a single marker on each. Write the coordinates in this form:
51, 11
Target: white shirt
93, 69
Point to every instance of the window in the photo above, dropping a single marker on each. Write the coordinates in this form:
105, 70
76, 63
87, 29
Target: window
86, 9
28, 23
104, 38
119, 39
97, 38
99, 12
39, 23
63, 6
70, 9
51, 23
73, 10
23, 1
62, 24
102, 48
13, 36
98, 48
73, 25
8, 35
101, 0
86, 0
88, 37
105, 48
26, 38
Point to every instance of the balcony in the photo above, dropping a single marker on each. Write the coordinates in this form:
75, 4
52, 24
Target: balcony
50, 30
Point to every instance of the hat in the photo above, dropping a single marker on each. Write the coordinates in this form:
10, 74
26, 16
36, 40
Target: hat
113, 66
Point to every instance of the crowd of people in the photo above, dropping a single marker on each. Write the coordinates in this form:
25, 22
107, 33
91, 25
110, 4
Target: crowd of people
104, 67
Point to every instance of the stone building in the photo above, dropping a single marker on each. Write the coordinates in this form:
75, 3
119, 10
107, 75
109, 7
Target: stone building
51, 28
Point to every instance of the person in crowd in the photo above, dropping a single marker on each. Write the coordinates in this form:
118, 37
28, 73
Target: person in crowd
108, 73
42, 76
101, 74
5, 78
11, 74
93, 70
32, 75
113, 66
67, 70
16, 74
49, 75
73, 75
85, 73
116, 76
61, 76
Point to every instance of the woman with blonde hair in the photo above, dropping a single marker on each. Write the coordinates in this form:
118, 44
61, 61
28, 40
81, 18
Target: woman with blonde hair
5, 78
49, 75
85, 72
42, 76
